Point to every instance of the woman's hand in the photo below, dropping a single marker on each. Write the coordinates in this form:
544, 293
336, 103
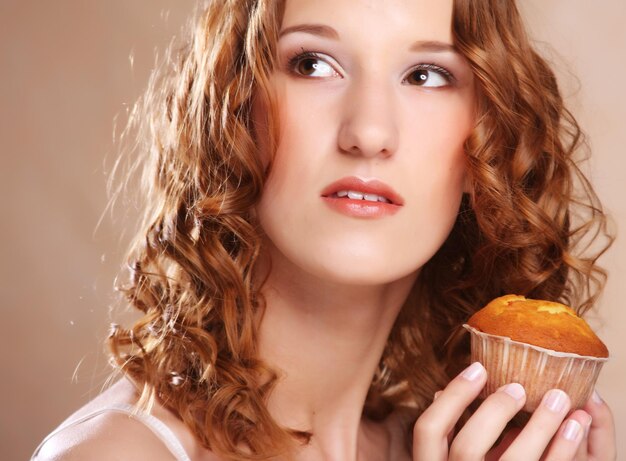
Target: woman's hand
599, 445
550, 434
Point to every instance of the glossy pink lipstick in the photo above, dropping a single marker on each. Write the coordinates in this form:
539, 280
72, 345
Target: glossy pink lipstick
356, 197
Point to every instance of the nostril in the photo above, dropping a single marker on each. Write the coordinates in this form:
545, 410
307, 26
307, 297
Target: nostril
355, 150
385, 153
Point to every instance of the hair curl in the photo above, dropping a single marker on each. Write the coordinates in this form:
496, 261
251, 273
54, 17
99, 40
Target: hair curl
526, 227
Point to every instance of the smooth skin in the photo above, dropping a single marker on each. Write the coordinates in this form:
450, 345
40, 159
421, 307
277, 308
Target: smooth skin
552, 433
351, 103
370, 89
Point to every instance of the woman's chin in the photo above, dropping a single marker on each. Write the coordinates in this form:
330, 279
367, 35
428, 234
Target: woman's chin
356, 262
365, 279
358, 271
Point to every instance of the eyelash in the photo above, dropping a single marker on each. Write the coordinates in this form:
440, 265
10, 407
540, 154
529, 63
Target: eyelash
435, 68
298, 56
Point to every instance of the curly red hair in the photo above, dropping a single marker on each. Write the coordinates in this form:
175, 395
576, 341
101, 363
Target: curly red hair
521, 229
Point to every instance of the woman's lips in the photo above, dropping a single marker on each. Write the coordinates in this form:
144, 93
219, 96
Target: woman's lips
353, 196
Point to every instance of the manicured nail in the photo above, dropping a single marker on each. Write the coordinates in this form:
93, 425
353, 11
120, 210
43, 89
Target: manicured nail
473, 372
515, 390
437, 394
595, 398
555, 400
571, 430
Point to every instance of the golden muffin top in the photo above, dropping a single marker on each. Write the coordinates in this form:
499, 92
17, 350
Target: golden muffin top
545, 324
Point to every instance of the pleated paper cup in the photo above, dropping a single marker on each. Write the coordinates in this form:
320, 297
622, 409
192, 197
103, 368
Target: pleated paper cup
535, 368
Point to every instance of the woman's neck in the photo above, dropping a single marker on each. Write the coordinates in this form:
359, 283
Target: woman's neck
325, 341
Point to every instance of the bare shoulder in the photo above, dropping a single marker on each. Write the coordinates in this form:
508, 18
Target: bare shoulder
113, 435
109, 436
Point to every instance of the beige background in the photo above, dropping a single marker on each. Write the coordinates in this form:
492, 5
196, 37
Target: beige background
66, 73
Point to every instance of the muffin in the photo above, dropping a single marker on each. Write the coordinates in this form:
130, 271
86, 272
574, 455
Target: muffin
540, 344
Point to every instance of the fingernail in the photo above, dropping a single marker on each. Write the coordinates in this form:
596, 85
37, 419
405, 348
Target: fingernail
595, 398
515, 390
473, 372
555, 400
571, 430
437, 394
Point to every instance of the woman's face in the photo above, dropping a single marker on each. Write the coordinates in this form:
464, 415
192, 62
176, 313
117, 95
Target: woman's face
374, 107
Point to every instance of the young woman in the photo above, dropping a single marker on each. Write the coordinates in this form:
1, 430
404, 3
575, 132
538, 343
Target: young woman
333, 187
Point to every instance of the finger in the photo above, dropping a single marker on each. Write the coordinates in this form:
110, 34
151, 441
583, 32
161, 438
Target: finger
542, 426
581, 453
451, 433
567, 441
497, 452
430, 433
601, 438
484, 427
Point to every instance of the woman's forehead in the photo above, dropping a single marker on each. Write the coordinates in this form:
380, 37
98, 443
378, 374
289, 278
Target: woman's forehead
422, 19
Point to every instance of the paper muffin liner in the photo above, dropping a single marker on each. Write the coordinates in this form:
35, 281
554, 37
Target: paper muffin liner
535, 368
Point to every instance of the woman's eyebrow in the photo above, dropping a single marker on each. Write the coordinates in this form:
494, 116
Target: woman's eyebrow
433, 45
322, 30
315, 29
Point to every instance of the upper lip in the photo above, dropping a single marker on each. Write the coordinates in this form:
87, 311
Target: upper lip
366, 186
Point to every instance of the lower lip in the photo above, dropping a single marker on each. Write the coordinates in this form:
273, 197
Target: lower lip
361, 208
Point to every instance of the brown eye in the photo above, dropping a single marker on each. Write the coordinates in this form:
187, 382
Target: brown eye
307, 66
429, 76
311, 65
418, 77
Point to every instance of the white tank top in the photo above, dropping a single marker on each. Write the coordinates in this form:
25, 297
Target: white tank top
154, 424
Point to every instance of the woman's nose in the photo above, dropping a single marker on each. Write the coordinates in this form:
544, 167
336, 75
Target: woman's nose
369, 125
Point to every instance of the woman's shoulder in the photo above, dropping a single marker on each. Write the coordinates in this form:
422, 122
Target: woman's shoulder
109, 436
105, 430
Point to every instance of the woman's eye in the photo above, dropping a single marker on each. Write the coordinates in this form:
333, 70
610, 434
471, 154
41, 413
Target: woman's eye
311, 65
430, 76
